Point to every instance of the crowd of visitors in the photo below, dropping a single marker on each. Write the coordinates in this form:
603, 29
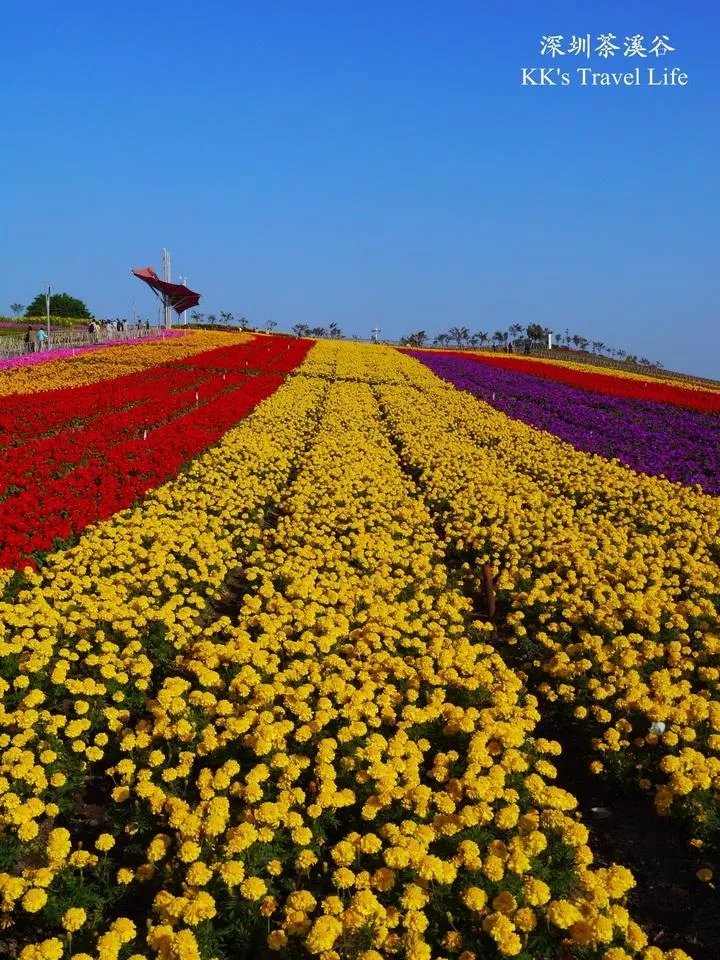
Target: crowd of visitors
36, 339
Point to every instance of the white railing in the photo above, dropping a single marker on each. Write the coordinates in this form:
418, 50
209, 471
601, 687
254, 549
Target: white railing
66, 339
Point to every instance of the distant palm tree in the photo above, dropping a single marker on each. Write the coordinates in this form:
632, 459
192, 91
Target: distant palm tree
212, 318
270, 325
197, 317
441, 339
301, 329
460, 335
17, 308
227, 318
334, 331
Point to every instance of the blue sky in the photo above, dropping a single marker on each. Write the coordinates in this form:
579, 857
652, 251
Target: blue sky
368, 164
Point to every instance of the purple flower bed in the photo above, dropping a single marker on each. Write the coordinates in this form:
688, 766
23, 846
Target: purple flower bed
654, 438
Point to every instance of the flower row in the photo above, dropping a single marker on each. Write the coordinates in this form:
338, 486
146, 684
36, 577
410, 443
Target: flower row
110, 362
121, 464
659, 439
703, 399
607, 583
85, 641
64, 353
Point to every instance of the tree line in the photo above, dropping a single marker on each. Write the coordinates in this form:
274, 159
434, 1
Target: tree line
533, 335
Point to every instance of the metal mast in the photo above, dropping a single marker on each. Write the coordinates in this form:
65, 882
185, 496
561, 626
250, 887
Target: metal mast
167, 278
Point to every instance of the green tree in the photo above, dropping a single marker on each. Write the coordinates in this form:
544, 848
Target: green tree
226, 317
515, 330
61, 305
460, 335
301, 329
270, 325
17, 308
334, 331
535, 332
414, 339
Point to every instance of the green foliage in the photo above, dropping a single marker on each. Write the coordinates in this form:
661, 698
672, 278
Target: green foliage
418, 339
535, 332
61, 305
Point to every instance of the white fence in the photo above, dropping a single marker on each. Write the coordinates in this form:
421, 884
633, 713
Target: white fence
13, 345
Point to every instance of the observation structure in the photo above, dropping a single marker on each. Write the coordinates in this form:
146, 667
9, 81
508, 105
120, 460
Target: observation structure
173, 296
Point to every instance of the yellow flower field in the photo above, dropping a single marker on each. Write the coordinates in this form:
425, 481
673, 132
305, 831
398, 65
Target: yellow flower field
258, 714
609, 578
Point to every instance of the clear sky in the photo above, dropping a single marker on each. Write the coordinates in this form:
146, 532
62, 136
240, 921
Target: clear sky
374, 163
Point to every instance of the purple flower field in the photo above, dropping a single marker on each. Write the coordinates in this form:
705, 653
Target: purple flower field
654, 438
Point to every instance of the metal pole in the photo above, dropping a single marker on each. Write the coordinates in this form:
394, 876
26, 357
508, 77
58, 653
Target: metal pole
47, 309
167, 278
184, 281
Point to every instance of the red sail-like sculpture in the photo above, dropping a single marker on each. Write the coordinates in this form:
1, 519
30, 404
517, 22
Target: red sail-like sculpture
175, 295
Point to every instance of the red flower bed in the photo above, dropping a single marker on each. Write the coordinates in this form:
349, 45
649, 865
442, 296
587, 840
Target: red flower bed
29, 415
137, 434
615, 386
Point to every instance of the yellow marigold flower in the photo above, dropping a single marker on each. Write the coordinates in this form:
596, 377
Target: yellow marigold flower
124, 928
563, 914
323, 934
505, 903
34, 900
104, 842
52, 949
332, 905
268, 906
525, 919
305, 860
277, 940
232, 872
58, 845
618, 881
73, 919
28, 831
452, 941
343, 878
198, 874
474, 899
189, 851
537, 892
705, 874
253, 888
343, 853
201, 908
